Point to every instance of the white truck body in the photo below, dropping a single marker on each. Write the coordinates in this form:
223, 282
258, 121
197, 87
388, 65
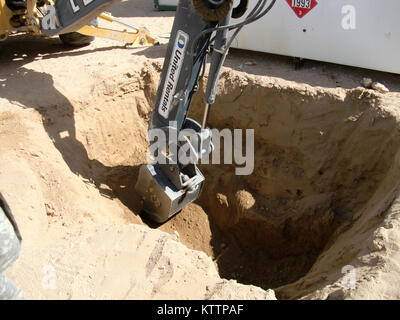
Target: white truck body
361, 33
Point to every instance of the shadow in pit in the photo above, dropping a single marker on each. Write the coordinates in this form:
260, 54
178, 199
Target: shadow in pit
239, 257
253, 266
28, 88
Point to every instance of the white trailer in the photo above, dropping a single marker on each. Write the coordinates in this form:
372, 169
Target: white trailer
361, 33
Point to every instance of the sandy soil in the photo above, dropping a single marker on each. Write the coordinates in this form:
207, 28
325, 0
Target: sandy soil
324, 193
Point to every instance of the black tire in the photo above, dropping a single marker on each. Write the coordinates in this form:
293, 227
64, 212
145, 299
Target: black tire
75, 39
16, 5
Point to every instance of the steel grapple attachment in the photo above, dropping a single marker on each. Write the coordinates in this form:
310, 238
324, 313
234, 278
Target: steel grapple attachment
173, 181
162, 199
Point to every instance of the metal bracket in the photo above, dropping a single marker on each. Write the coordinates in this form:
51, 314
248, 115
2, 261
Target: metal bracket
166, 188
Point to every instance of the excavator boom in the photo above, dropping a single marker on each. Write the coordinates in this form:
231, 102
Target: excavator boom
177, 143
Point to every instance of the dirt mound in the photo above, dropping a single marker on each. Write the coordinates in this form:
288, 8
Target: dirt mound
124, 262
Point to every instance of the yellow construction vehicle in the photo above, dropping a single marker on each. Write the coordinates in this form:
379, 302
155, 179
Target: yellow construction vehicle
74, 21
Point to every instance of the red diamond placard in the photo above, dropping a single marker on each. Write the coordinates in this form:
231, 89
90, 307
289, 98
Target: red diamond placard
302, 7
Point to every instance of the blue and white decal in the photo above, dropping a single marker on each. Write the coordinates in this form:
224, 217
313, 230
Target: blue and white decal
174, 71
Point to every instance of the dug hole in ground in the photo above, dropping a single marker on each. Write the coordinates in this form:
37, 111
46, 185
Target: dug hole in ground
317, 219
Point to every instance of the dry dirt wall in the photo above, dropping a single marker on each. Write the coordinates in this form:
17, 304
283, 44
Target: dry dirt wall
325, 160
68, 168
321, 156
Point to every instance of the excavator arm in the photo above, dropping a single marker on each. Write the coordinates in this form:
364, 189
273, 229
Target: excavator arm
177, 143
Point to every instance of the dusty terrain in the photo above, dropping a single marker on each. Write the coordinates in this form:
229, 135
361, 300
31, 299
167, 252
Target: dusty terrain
324, 193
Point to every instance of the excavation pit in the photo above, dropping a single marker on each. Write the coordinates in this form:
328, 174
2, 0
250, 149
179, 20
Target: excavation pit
322, 158
322, 195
